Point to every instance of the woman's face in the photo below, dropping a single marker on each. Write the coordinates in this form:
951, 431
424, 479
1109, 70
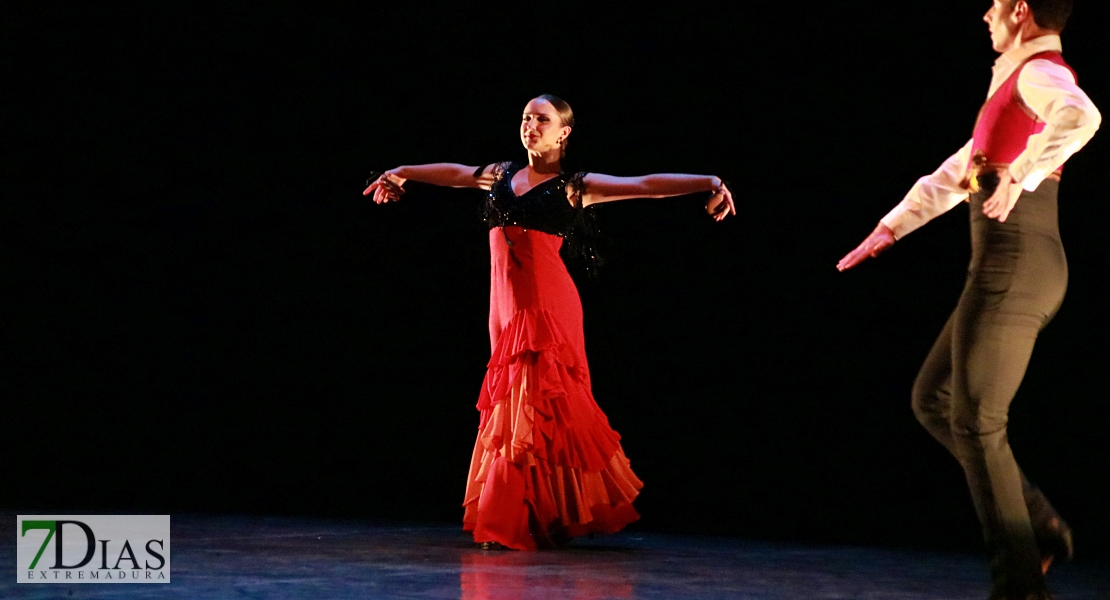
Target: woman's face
541, 128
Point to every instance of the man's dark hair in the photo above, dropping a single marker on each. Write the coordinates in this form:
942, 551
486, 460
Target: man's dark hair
1050, 14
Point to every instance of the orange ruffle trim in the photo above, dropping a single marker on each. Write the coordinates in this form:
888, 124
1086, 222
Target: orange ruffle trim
546, 465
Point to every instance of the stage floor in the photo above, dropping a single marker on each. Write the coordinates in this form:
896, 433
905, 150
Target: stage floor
215, 556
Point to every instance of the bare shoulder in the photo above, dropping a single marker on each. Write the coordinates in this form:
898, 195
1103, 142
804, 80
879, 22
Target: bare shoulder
489, 174
576, 187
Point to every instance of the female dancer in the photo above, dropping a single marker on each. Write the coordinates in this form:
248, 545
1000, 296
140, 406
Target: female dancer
546, 466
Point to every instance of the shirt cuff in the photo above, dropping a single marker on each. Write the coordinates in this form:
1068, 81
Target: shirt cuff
896, 221
1021, 171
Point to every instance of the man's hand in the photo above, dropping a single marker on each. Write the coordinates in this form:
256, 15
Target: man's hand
1005, 196
879, 240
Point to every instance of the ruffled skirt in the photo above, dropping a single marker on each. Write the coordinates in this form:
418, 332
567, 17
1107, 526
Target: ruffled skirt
546, 465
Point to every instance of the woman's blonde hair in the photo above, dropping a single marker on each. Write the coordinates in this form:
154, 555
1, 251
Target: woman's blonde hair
566, 115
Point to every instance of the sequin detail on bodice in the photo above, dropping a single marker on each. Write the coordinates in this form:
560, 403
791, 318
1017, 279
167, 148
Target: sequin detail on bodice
544, 208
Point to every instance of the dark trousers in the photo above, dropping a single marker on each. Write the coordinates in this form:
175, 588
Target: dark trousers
1015, 284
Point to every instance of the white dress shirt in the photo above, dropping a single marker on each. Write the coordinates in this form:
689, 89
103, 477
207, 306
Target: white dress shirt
1050, 91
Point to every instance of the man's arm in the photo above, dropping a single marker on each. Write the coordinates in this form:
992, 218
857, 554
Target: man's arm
1071, 119
932, 195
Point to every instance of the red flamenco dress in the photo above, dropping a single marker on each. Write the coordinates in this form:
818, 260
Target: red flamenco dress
546, 466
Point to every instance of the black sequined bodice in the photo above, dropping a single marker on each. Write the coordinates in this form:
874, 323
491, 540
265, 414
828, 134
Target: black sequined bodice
543, 208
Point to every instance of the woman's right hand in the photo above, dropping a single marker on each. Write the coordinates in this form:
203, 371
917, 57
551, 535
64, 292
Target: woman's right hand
720, 204
387, 187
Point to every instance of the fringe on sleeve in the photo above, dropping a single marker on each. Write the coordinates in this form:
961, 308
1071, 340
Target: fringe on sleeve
581, 239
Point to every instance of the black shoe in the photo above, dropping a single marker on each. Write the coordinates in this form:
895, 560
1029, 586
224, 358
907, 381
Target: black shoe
491, 546
1055, 543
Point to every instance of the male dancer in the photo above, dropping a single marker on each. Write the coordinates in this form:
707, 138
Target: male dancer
1035, 117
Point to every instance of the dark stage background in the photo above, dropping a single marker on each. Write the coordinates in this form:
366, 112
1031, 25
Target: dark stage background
202, 313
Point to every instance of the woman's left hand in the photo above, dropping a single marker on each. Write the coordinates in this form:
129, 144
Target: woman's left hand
720, 204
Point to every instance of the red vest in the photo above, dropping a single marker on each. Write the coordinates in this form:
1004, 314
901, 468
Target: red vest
1005, 122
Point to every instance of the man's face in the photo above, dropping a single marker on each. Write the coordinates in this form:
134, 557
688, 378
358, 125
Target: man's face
1000, 19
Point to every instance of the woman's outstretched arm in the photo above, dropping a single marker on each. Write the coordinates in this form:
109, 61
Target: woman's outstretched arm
389, 186
607, 188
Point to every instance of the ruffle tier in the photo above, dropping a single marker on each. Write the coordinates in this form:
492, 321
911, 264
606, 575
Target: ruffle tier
546, 465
